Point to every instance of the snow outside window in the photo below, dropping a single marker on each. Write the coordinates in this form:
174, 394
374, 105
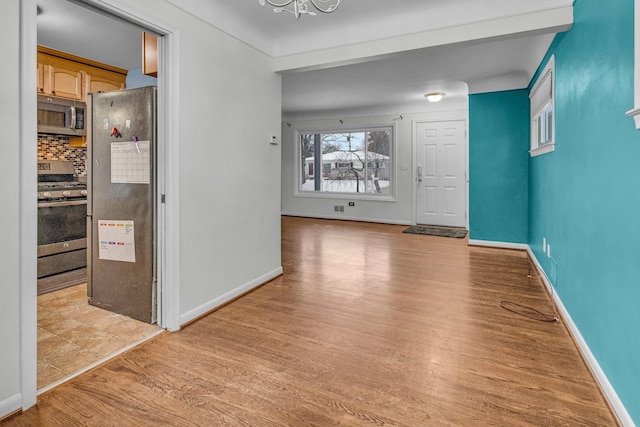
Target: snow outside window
350, 162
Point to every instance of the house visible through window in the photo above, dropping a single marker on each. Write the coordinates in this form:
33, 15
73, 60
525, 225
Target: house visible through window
542, 112
353, 162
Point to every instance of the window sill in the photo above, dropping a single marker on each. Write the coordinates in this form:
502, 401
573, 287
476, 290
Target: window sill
543, 149
345, 196
635, 113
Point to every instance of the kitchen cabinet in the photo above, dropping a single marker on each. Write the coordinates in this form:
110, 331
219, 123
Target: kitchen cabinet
149, 55
73, 77
59, 78
104, 81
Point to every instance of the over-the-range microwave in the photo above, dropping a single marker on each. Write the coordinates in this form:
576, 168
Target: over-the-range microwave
61, 116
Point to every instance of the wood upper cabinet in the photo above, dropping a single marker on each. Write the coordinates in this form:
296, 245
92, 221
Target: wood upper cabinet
59, 78
104, 81
149, 54
69, 76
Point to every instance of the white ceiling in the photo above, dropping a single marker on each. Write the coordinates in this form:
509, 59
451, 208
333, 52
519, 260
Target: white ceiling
369, 55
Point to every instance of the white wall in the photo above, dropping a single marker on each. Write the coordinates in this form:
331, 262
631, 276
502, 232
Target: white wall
397, 211
9, 214
228, 173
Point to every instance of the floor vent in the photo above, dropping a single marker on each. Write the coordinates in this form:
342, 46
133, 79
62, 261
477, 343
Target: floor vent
338, 208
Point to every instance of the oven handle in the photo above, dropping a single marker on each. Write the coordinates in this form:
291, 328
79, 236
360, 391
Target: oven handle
64, 203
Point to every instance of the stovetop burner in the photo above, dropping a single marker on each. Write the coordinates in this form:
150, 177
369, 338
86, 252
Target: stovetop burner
71, 184
56, 191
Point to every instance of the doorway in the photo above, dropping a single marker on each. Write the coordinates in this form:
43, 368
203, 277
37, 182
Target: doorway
125, 332
441, 173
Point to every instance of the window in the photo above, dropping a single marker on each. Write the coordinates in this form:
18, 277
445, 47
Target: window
542, 112
351, 162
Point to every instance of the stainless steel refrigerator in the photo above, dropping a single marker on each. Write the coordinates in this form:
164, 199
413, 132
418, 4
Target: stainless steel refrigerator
121, 202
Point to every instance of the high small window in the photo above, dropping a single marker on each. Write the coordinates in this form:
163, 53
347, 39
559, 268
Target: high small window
542, 112
357, 161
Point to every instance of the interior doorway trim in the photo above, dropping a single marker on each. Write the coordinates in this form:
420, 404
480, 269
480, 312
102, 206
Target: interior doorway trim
168, 179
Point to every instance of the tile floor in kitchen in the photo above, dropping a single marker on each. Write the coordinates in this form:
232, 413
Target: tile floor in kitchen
73, 334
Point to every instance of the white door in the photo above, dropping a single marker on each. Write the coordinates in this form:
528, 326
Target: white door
441, 173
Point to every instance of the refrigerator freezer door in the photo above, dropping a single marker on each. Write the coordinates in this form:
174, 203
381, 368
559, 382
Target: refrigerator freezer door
122, 218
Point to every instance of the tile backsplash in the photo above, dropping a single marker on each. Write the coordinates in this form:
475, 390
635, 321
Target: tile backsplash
56, 147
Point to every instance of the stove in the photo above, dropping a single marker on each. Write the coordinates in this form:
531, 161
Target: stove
62, 212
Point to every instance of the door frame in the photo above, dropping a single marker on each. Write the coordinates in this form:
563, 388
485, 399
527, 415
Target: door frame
462, 115
168, 234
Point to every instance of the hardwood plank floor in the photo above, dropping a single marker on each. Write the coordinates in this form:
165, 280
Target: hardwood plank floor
368, 326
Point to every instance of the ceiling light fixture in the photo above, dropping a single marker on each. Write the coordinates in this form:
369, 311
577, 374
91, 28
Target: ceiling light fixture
301, 7
435, 96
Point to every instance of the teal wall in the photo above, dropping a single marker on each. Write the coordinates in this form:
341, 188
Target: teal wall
498, 166
585, 197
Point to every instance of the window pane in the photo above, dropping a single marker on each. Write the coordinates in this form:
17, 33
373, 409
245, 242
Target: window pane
541, 130
307, 165
378, 161
343, 153
549, 123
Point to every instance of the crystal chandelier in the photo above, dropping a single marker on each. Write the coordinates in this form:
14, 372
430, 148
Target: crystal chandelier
301, 7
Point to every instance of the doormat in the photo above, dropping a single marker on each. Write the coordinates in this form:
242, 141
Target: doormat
62, 280
431, 230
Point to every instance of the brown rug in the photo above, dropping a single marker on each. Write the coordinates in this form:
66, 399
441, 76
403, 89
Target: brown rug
432, 230
62, 280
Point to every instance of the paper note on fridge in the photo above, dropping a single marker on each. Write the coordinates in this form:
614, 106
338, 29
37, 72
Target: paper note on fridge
117, 242
130, 162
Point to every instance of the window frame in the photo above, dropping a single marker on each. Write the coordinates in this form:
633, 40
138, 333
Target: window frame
543, 111
390, 197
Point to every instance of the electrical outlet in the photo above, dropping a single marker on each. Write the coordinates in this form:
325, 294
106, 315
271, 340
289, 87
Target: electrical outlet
352, 204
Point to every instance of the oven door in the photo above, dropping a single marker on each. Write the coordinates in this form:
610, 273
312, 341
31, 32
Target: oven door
62, 236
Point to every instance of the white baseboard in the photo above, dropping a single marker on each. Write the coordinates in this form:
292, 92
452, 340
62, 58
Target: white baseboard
502, 245
347, 218
228, 296
10, 404
606, 387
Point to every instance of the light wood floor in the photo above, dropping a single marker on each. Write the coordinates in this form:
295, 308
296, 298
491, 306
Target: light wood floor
368, 326
73, 334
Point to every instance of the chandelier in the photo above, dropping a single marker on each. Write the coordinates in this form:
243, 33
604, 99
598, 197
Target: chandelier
301, 7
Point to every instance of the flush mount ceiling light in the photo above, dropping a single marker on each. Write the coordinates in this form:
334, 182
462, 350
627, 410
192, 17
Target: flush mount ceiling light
301, 7
435, 96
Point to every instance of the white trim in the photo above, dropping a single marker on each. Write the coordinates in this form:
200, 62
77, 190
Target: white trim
98, 362
345, 196
28, 209
635, 111
538, 101
297, 192
605, 386
502, 245
10, 405
168, 132
228, 296
347, 218
543, 149
169, 166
